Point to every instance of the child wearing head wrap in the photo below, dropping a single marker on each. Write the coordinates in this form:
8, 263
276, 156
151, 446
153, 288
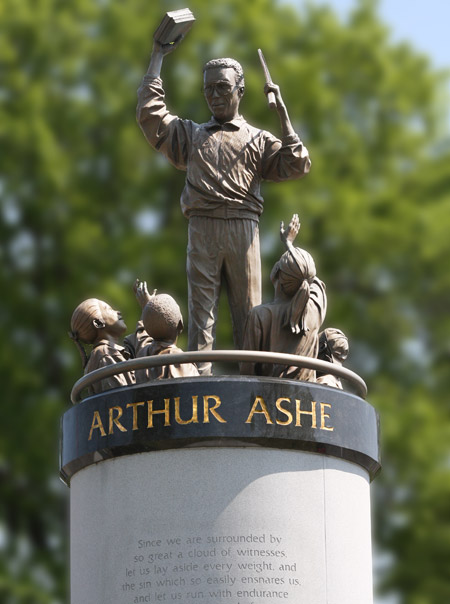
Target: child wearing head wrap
290, 323
95, 323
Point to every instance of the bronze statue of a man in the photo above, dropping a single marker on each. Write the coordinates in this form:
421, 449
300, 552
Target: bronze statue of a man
225, 161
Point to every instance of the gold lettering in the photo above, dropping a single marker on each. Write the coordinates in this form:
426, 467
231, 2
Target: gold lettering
151, 413
259, 401
300, 412
323, 416
287, 413
97, 424
194, 418
115, 420
135, 416
207, 409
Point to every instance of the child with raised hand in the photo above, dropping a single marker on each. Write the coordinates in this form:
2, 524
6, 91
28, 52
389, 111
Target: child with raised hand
291, 322
95, 323
162, 323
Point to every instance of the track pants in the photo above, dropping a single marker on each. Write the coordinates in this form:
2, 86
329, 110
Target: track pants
221, 251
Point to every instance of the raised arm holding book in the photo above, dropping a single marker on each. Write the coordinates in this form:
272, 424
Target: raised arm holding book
158, 53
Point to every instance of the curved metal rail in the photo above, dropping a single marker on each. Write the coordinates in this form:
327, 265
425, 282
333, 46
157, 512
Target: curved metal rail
248, 356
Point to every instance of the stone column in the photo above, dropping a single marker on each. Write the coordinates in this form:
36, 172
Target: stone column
221, 490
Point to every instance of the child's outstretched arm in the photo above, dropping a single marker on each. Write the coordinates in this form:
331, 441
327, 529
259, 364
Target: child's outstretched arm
288, 235
141, 292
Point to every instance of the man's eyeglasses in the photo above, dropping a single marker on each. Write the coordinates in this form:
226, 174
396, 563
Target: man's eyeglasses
221, 88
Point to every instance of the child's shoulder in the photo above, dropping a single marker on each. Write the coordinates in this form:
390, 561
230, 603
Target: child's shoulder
106, 353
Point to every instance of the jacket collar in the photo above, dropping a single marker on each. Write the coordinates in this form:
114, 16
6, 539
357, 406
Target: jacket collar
235, 124
112, 345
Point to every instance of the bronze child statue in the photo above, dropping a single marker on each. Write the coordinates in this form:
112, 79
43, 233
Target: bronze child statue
291, 322
157, 333
333, 347
95, 323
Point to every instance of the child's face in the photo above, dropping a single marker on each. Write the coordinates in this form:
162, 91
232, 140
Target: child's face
114, 324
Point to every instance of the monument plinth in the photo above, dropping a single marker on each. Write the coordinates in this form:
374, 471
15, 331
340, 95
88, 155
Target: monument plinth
191, 488
221, 489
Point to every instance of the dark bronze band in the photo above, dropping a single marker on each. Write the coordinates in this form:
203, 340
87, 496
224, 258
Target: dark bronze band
220, 411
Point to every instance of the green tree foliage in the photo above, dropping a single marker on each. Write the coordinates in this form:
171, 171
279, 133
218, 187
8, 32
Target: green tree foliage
87, 206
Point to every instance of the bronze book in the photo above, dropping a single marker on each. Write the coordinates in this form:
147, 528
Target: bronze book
174, 24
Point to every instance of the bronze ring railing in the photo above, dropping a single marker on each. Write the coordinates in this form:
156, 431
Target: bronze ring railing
247, 356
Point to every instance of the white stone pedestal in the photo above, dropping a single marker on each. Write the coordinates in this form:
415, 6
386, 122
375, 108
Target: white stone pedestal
228, 525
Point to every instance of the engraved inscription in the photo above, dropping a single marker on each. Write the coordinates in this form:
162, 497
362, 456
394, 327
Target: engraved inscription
210, 568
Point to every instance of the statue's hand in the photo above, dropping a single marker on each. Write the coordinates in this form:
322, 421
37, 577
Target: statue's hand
295, 328
288, 235
165, 49
141, 292
270, 87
